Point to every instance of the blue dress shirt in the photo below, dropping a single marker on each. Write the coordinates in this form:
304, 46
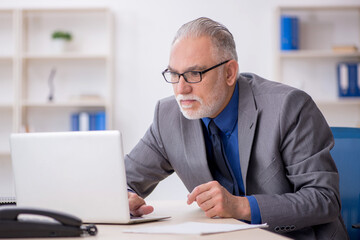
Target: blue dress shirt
228, 125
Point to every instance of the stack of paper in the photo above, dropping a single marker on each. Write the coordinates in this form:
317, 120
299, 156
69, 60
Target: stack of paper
195, 228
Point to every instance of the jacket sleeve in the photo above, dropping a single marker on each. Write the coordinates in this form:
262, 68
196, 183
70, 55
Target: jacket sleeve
305, 140
146, 165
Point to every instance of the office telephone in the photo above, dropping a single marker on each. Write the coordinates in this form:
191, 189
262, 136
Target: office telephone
60, 225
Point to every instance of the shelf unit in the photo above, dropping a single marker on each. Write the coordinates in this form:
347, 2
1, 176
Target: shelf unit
83, 74
312, 68
8, 74
91, 52
316, 54
64, 56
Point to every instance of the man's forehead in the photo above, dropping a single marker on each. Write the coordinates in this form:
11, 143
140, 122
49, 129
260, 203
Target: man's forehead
189, 54
195, 67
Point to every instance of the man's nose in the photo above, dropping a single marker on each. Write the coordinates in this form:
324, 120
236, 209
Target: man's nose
183, 87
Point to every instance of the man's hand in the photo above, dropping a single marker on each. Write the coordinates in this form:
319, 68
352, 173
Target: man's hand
216, 201
138, 206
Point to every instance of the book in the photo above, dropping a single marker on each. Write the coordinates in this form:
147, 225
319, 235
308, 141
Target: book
344, 48
88, 121
84, 121
100, 121
92, 121
75, 122
87, 98
348, 75
289, 33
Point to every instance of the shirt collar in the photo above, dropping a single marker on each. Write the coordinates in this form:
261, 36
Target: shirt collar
227, 119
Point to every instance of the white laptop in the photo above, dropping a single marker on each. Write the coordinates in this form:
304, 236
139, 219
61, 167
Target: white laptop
81, 173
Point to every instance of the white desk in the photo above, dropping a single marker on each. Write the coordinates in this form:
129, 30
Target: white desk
180, 212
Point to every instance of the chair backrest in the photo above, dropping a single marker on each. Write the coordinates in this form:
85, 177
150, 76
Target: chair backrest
346, 154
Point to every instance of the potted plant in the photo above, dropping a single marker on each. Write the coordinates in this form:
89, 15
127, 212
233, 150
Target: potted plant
61, 40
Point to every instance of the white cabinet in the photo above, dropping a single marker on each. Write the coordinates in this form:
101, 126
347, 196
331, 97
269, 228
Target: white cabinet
82, 74
7, 78
8, 64
79, 77
312, 68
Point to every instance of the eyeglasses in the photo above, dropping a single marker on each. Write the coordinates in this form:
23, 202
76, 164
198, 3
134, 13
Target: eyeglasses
189, 76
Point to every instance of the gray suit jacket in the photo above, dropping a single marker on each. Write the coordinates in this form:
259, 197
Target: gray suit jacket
284, 148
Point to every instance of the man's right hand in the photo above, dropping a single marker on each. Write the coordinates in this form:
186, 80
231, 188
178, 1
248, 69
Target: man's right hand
138, 206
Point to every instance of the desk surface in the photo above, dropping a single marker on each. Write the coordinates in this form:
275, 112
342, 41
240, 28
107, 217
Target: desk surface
180, 212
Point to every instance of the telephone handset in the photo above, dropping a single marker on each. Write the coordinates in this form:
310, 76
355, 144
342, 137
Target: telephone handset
65, 225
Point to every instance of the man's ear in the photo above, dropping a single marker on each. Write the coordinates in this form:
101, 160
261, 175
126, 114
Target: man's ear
231, 73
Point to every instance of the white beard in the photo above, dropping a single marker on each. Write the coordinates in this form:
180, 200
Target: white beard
208, 109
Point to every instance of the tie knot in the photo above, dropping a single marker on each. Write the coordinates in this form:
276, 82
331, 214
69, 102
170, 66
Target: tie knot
214, 130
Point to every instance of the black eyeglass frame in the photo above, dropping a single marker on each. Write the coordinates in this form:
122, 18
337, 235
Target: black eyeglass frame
199, 72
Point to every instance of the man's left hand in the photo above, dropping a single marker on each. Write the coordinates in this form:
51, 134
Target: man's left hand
216, 201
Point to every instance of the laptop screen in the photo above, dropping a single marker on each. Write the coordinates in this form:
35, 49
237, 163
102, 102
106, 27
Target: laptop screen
81, 173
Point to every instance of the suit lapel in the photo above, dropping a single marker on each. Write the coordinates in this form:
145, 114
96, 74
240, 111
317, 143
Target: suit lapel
247, 120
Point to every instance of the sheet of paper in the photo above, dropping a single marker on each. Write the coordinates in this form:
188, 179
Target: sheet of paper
195, 228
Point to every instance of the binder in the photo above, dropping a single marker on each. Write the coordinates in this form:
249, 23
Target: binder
84, 121
92, 121
75, 122
348, 75
289, 33
100, 121
88, 121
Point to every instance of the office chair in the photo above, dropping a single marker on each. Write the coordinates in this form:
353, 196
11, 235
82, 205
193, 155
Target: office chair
346, 154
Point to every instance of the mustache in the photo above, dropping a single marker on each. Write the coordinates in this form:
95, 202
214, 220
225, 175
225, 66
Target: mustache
188, 97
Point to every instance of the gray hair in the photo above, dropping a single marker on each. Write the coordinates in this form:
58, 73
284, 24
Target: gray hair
222, 39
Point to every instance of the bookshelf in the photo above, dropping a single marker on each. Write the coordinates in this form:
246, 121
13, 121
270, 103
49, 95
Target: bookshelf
7, 76
312, 67
317, 54
83, 74
86, 68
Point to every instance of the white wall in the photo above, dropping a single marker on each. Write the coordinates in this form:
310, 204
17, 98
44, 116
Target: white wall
144, 31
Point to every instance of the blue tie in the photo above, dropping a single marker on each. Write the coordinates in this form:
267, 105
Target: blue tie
219, 166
